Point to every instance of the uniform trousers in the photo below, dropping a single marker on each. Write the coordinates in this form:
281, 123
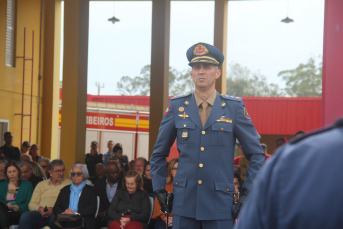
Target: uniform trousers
8, 218
180, 222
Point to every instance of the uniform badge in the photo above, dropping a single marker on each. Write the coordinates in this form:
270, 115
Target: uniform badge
167, 110
246, 114
224, 119
186, 103
185, 134
181, 109
200, 50
223, 104
184, 115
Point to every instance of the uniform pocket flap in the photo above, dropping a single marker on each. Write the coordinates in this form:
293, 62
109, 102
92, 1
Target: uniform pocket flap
180, 181
224, 186
186, 125
222, 126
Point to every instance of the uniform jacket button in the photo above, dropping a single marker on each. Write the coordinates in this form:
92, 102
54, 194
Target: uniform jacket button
200, 182
201, 165
175, 183
202, 148
184, 125
203, 132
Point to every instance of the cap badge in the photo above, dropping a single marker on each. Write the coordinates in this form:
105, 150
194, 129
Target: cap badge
181, 109
184, 116
200, 50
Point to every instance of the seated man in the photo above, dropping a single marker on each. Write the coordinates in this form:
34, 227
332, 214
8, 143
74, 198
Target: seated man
45, 164
100, 173
44, 197
26, 173
25, 157
140, 165
105, 189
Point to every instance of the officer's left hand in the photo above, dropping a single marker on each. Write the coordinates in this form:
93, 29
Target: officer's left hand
240, 202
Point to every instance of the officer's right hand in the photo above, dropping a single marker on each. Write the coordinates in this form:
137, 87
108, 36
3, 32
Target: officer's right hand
162, 198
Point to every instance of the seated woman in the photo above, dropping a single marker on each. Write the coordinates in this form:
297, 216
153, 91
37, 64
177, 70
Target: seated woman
77, 198
130, 206
34, 153
15, 195
161, 219
147, 183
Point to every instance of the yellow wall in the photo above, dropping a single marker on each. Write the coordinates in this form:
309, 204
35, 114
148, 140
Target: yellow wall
11, 79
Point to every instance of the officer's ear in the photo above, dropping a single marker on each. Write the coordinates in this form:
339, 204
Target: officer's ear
218, 72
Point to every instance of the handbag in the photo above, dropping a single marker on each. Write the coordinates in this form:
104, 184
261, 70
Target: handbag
68, 221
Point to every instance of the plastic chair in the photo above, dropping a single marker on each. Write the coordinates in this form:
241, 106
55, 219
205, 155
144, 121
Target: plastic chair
152, 207
97, 206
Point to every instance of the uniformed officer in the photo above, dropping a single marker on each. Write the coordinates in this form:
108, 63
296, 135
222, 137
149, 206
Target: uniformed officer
300, 185
206, 125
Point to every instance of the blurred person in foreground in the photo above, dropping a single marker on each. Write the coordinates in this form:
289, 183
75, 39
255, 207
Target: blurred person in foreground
27, 173
45, 164
15, 195
106, 189
206, 125
281, 199
161, 218
77, 198
44, 197
130, 207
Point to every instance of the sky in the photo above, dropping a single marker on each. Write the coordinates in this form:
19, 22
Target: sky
256, 37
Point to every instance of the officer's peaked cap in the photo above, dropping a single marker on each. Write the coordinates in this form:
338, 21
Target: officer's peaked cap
204, 53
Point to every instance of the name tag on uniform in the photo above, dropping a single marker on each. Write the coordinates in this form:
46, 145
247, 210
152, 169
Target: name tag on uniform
224, 119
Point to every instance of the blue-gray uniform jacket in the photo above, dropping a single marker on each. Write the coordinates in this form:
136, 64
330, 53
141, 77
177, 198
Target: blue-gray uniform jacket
300, 186
203, 186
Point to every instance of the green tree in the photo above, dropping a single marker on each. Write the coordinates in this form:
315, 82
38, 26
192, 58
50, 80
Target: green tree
240, 81
303, 81
140, 85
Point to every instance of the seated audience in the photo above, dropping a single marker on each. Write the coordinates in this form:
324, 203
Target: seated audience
106, 189
130, 207
93, 158
2, 170
147, 183
100, 173
45, 164
132, 165
161, 219
25, 157
44, 198
237, 159
109, 153
15, 195
140, 165
25, 147
34, 152
27, 173
279, 142
237, 169
237, 182
8, 151
38, 170
77, 198
118, 153
265, 149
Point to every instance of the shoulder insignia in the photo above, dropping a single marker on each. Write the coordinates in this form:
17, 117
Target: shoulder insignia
180, 96
230, 97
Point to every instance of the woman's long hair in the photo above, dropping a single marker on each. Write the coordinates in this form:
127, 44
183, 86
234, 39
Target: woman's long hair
15, 164
170, 167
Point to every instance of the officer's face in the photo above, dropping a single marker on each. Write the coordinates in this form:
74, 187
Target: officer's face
204, 75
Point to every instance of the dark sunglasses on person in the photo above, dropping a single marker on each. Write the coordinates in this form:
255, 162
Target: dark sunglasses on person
78, 174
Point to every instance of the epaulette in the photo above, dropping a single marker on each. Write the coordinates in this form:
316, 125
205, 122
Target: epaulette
338, 123
180, 96
230, 97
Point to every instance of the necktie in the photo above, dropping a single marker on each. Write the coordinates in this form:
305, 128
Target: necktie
203, 115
